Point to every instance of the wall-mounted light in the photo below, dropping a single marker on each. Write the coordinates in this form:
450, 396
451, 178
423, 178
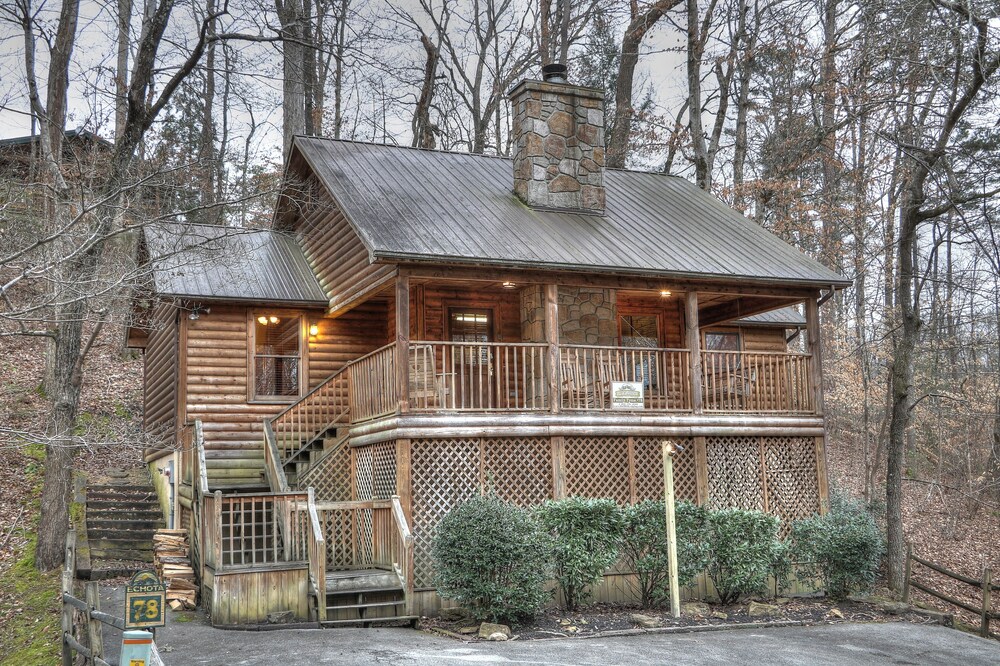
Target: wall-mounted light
262, 320
273, 319
664, 293
197, 311
508, 285
313, 330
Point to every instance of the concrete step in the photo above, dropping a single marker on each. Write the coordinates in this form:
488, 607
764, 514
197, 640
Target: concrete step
116, 506
125, 522
117, 554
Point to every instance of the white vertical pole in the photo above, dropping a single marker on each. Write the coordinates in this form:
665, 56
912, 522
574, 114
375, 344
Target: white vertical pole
668, 490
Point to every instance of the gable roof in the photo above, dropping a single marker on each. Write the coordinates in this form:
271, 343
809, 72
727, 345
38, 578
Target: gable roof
788, 317
421, 205
225, 263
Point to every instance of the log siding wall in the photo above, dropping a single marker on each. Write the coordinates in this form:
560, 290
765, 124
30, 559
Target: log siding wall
335, 251
217, 365
160, 372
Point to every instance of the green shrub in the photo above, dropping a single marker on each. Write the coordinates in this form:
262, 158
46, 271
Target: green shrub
644, 546
843, 549
586, 535
492, 557
743, 550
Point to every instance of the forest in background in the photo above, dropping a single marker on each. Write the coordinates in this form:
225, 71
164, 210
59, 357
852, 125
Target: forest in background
865, 133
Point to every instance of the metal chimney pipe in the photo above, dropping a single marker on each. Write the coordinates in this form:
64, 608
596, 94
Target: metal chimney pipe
555, 73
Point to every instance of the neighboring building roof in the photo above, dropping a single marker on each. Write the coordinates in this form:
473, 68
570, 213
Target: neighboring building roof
788, 317
69, 134
226, 263
421, 205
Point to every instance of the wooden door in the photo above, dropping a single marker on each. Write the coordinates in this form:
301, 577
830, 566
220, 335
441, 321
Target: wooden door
472, 363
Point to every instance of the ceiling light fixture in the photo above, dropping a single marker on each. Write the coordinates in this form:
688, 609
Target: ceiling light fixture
664, 293
508, 285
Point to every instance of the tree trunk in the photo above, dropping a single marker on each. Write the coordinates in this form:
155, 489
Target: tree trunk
293, 71
621, 124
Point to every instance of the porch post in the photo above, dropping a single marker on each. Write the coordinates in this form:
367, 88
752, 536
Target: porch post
403, 339
552, 338
815, 349
693, 338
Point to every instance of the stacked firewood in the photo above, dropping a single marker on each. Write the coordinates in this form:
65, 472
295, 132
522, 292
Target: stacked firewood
172, 559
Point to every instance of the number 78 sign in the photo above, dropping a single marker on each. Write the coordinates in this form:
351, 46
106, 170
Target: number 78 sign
144, 599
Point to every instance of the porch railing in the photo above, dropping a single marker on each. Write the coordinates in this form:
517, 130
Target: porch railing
478, 376
757, 382
587, 373
254, 529
372, 382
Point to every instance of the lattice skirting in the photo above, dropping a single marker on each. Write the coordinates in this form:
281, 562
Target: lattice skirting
777, 475
330, 476
774, 474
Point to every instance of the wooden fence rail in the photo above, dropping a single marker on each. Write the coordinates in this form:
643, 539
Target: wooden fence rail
90, 611
985, 585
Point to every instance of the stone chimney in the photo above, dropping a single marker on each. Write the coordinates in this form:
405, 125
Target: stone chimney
558, 143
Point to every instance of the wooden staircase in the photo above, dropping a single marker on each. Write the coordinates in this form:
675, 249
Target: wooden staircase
365, 597
121, 521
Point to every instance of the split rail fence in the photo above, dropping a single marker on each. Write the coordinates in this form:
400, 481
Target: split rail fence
985, 585
90, 613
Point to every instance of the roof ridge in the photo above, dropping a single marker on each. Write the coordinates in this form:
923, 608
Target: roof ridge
465, 153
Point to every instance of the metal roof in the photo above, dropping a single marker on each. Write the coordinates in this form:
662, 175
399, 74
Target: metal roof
215, 262
789, 317
422, 205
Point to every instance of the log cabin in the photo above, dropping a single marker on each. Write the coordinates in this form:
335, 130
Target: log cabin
418, 326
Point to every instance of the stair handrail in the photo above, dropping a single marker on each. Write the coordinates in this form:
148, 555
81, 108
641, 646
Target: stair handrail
406, 538
273, 468
317, 555
270, 436
199, 444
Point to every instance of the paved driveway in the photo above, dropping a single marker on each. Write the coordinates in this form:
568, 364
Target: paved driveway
195, 643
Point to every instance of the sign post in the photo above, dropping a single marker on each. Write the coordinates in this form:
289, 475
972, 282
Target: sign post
144, 601
668, 490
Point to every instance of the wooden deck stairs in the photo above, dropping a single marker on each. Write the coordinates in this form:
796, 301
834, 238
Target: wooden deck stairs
365, 597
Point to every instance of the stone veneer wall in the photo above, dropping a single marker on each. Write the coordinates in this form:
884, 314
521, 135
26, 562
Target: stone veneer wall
558, 145
587, 316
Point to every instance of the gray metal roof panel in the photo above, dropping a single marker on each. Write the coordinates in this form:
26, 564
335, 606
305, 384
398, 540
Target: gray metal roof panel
789, 317
410, 204
213, 262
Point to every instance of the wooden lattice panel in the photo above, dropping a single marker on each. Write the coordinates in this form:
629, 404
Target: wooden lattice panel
792, 480
338, 531
330, 477
734, 473
383, 470
598, 467
649, 470
519, 470
444, 473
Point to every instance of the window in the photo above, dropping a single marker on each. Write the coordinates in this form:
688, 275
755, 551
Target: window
472, 325
277, 356
722, 341
639, 330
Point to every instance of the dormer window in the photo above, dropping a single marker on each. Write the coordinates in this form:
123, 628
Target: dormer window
277, 356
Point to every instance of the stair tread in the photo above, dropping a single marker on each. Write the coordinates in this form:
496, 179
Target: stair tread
363, 590
374, 604
370, 620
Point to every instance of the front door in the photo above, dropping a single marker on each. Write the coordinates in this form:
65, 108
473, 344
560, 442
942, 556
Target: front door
472, 361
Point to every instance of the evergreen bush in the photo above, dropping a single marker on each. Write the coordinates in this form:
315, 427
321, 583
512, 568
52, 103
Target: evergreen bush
743, 551
586, 535
842, 549
644, 546
493, 558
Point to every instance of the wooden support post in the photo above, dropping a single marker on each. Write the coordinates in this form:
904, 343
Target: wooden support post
552, 338
701, 469
822, 476
558, 467
668, 495
815, 349
693, 341
984, 629
67, 618
404, 484
403, 340
94, 632
906, 576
